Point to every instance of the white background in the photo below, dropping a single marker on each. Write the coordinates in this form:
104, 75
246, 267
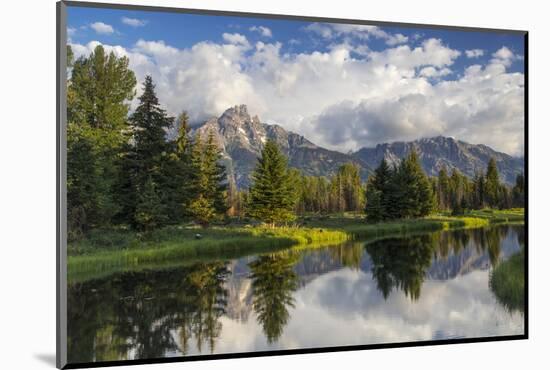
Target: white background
27, 181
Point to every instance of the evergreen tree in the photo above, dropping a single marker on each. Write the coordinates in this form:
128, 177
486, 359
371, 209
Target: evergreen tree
492, 184
272, 194
415, 192
182, 170
478, 191
518, 192
202, 209
374, 209
443, 189
456, 189
148, 155
215, 175
201, 206
208, 180
150, 211
183, 140
378, 193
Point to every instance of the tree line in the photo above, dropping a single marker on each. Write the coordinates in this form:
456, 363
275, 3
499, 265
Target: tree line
405, 191
123, 170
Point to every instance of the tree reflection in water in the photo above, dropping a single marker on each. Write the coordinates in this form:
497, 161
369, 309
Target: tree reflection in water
138, 312
348, 254
402, 263
490, 239
273, 282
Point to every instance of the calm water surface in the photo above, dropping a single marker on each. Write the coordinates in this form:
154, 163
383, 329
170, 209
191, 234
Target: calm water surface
433, 286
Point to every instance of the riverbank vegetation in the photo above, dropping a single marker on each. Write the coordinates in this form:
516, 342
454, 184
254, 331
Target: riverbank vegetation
507, 281
106, 251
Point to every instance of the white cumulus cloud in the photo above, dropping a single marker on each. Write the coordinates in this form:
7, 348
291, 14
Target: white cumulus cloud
360, 31
133, 22
474, 53
264, 31
235, 38
102, 28
504, 56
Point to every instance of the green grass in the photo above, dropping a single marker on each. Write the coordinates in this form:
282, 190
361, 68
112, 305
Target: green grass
444, 221
508, 284
176, 245
107, 251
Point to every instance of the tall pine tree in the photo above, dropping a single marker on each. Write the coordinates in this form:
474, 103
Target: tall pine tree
147, 156
518, 191
182, 171
492, 184
272, 195
209, 181
415, 193
378, 193
216, 176
443, 189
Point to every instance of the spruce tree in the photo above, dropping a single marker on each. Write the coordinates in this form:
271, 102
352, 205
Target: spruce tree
479, 191
208, 180
148, 154
150, 210
518, 191
183, 174
272, 194
374, 209
415, 193
443, 189
216, 177
201, 207
492, 183
393, 196
378, 193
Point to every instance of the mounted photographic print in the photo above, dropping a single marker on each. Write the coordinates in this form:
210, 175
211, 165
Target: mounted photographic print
235, 184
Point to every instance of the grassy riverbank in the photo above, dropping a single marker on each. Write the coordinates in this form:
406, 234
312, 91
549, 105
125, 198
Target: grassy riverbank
508, 284
357, 227
106, 251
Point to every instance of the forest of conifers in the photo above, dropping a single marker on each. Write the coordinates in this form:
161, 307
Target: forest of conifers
122, 170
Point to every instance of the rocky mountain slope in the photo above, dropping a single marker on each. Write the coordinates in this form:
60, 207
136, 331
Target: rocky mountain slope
438, 152
242, 136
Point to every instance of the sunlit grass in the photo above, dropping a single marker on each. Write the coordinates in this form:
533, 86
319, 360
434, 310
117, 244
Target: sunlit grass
177, 244
120, 249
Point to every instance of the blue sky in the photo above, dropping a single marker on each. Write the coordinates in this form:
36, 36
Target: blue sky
185, 30
274, 66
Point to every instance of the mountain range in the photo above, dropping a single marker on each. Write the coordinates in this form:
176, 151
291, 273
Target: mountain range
445, 152
241, 138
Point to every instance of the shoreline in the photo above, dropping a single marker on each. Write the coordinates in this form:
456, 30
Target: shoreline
174, 246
